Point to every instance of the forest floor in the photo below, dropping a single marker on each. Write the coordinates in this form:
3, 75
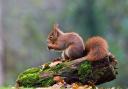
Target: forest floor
61, 88
14, 88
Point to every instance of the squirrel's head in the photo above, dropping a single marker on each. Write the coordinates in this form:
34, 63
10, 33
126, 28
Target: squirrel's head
54, 34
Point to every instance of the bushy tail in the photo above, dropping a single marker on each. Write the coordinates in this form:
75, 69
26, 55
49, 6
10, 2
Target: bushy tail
97, 48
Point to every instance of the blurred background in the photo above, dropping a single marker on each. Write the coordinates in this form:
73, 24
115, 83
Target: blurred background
25, 24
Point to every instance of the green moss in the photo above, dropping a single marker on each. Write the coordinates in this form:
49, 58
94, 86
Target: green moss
29, 80
29, 71
57, 68
46, 82
34, 77
84, 70
31, 77
32, 70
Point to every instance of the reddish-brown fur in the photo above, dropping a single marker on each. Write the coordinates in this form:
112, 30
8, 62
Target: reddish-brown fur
97, 48
72, 45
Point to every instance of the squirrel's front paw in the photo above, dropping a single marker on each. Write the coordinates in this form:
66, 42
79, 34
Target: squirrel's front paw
50, 46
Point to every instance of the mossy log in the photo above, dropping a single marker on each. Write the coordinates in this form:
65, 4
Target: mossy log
80, 71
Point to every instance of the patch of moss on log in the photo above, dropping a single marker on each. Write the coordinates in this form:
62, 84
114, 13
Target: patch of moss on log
29, 77
43, 77
84, 70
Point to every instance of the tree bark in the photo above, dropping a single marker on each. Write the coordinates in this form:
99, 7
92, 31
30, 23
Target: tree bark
103, 71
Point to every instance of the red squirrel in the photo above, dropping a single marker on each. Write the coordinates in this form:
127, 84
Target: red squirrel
72, 45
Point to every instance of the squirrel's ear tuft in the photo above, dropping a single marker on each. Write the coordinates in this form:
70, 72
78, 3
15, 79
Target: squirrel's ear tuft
56, 27
55, 31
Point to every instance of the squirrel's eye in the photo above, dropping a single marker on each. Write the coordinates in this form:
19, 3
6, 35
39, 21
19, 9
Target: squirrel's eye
51, 37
